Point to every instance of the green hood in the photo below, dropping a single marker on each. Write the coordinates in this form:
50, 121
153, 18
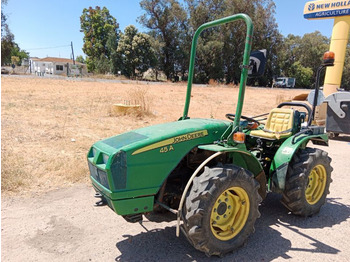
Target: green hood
137, 162
138, 139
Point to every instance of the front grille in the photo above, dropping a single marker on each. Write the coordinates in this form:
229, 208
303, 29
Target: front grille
99, 175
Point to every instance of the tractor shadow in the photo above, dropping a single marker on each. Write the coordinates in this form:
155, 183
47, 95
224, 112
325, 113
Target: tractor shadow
265, 244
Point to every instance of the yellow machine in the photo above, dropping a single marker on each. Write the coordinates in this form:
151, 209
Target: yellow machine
339, 10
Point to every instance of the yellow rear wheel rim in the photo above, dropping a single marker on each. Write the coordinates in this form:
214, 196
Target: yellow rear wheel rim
230, 213
316, 184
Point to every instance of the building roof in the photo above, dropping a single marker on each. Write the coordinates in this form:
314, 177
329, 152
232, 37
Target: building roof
59, 60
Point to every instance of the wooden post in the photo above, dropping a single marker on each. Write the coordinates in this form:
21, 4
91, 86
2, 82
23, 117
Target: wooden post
71, 44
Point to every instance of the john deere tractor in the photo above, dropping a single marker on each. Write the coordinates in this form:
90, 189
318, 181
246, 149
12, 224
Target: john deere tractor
213, 174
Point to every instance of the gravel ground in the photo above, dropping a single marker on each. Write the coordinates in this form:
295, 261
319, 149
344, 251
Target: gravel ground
63, 225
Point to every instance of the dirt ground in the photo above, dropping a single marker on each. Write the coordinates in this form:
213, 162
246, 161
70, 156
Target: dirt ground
48, 125
47, 212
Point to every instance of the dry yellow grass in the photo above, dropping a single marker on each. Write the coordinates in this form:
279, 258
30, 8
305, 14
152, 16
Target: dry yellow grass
48, 125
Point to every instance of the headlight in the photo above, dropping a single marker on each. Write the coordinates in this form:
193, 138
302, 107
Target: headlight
119, 170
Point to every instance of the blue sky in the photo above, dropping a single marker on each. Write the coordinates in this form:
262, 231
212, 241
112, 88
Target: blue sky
52, 23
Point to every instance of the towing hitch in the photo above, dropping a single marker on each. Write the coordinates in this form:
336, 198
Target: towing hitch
101, 202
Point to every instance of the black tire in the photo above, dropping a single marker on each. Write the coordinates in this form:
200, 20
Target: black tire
306, 165
205, 194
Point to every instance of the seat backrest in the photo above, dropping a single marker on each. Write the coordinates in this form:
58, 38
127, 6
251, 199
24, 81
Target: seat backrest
280, 120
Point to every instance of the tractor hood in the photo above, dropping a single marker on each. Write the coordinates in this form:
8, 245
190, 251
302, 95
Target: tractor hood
157, 136
137, 162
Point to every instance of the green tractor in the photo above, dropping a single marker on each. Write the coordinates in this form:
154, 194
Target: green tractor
213, 174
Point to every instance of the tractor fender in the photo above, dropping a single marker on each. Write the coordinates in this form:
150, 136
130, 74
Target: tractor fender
279, 165
240, 157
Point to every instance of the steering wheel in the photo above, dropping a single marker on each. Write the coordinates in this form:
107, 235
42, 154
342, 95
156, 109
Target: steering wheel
249, 119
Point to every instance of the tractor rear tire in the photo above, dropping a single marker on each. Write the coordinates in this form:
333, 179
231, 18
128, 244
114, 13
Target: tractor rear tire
307, 182
221, 209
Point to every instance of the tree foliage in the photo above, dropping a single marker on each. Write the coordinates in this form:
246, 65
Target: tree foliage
301, 56
220, 50
100, 29
9, 47
7, 39
135, 51
167, 22
303, 75
171, 25
313, 46
80, 59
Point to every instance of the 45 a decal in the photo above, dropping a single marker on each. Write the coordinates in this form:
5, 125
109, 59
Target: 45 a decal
166, 149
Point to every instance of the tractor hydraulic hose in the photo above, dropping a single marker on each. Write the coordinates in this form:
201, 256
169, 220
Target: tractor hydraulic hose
302, 132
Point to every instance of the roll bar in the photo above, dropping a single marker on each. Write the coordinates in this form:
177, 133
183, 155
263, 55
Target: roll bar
245, 65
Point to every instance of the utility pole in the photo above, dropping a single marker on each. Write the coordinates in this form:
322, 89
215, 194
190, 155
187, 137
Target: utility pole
71, 43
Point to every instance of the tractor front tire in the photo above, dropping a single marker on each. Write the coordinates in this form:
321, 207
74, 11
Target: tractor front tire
221, 209
307, 182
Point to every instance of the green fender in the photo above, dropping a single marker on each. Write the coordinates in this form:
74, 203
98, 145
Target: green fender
240, 157
279, 166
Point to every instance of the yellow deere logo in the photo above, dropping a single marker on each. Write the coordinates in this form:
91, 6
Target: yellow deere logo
173, 140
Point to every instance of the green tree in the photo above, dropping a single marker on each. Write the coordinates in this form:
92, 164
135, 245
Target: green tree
267, 36
157, 46
209, 61
115, 59
99, 27
135, 51
308, 50
303, 75
299, 55
225, 61
7, 38
311, 50
167, 21
211, 44
9, 47
288, 55
102, 65
80, 59
18, 52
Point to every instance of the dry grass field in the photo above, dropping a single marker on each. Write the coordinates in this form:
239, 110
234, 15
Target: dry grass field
47, 211
48, 125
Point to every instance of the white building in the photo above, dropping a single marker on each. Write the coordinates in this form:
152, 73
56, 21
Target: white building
56, 66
